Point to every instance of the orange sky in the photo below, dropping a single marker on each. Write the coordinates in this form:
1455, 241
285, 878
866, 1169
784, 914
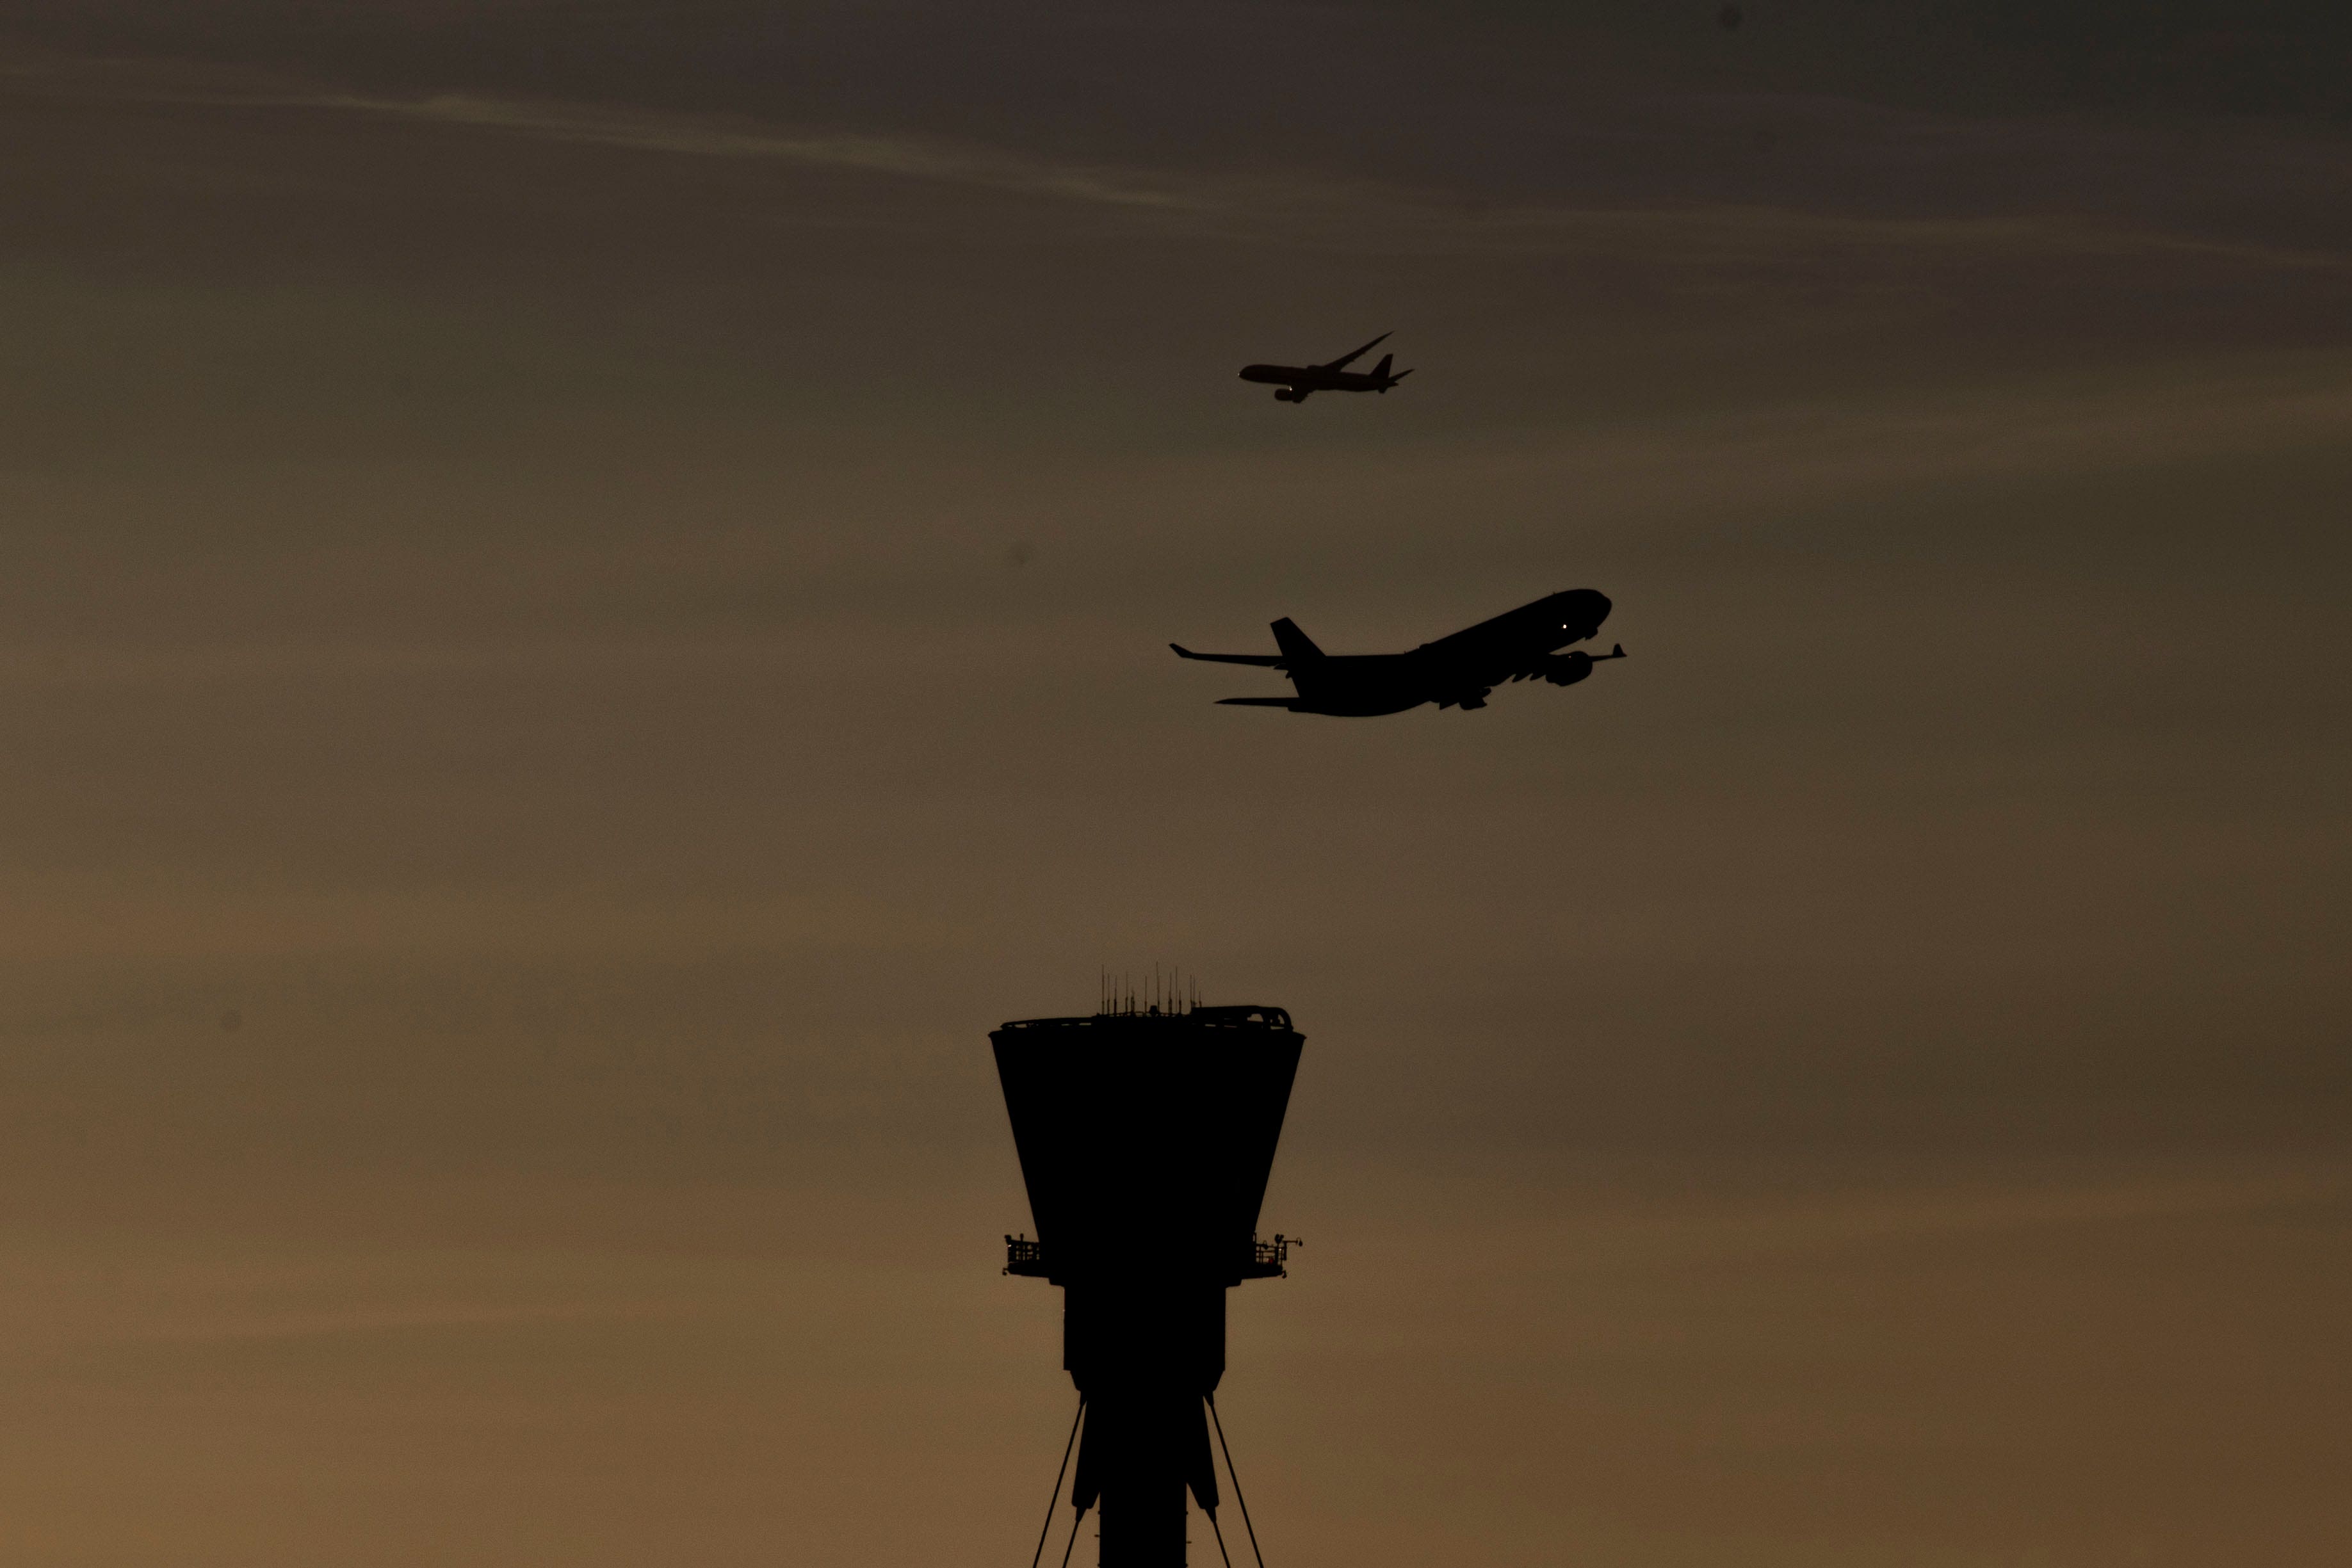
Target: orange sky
584, 609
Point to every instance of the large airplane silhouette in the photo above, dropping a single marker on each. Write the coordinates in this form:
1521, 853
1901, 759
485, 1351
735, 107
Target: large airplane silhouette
1295, 381
1458, 671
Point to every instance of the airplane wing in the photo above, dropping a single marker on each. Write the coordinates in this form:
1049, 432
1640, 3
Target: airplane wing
1290, 703
1344, 361
1271, 661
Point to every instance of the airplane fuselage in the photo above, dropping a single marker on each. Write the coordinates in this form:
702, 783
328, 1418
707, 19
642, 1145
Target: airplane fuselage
1315, 378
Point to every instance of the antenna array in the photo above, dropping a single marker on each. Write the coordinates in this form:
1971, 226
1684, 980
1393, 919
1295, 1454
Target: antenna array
1164, 993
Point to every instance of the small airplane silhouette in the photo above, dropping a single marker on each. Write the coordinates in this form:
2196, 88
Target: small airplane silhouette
1295, 381
1458, 671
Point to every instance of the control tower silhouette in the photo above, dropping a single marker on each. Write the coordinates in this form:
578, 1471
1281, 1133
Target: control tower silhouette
1145, 1138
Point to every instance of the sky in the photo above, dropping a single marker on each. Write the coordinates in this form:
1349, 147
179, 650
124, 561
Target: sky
584, 605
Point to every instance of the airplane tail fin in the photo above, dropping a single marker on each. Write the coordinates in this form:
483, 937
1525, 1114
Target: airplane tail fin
1380, 370
1295, 644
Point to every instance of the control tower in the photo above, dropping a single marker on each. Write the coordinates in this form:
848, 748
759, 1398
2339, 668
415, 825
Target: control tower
1145, 1138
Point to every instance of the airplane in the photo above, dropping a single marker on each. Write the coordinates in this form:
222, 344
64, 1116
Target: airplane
1458, 671
1295, 381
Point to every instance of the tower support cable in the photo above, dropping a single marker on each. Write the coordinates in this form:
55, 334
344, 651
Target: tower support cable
1221, 1538
1069, 1449
1234, 1476
1077, 1519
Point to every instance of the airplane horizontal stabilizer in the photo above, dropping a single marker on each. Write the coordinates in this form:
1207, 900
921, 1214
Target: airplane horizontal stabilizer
1266, 661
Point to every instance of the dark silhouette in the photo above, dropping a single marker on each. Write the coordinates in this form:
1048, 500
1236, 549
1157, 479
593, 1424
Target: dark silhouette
1296, 381
1145, 1138
1452, 672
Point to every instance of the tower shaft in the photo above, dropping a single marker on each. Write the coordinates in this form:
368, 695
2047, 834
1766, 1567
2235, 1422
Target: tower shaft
1137, 1437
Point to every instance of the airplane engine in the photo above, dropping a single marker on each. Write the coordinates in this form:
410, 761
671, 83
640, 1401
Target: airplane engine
1567, 669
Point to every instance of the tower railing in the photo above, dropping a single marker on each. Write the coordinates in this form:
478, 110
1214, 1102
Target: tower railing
1026, 1257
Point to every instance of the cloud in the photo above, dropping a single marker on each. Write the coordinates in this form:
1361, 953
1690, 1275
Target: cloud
1302, 207
691, 136
1778, 216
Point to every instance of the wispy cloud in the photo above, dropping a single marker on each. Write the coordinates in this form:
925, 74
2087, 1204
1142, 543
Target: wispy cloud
1304, 206
899, 157
1295, 205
